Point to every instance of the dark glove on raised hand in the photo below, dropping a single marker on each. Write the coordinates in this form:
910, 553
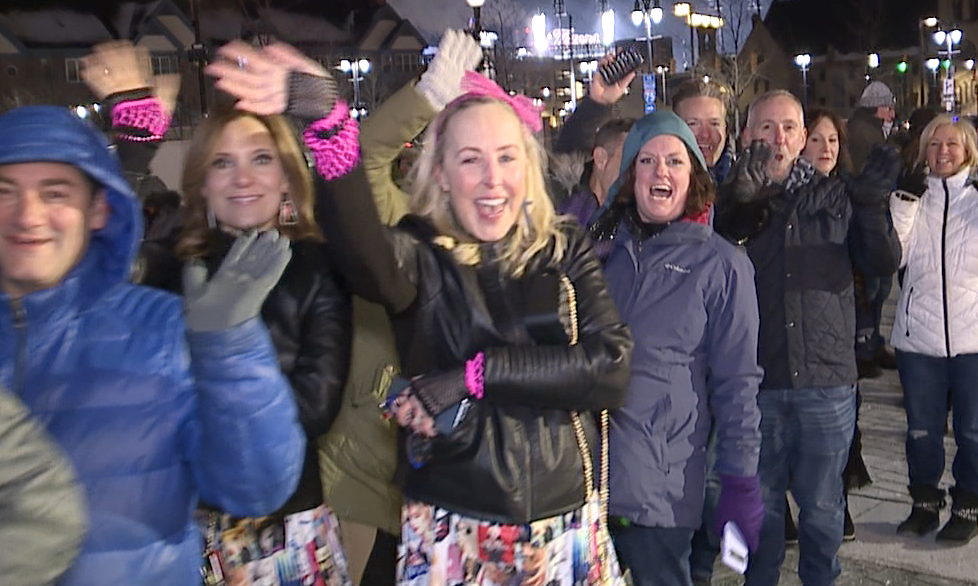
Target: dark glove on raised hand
913, 181
748, 177
238, 289
438, 392
740, 502
879, 177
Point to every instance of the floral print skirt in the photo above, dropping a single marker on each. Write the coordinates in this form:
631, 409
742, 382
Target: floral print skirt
301, 549
442, 548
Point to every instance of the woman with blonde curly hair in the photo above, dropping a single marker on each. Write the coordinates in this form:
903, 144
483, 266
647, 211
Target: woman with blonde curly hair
508, 338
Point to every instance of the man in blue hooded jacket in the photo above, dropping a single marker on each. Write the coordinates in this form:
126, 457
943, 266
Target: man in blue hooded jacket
155, 407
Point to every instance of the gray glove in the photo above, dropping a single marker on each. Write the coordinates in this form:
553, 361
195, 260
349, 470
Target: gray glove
239, 287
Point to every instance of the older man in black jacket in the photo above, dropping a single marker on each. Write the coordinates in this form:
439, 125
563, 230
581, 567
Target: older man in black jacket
803, 231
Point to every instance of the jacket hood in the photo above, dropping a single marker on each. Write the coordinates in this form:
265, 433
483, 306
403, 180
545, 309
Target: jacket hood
648, 127
53, 134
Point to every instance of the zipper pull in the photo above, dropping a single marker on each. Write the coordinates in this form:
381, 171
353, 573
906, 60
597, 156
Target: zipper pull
20, 314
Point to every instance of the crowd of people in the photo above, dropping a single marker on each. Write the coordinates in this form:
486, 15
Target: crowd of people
504, 366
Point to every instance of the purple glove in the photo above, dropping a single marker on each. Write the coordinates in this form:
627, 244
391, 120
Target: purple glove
740, 502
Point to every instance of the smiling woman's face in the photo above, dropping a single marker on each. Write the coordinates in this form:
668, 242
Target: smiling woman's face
245, 178
662, 176
946, 152
484, 169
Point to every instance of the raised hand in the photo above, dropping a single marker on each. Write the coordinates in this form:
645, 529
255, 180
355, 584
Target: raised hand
116, 67
605, 94
237, 291
878, 178
441, 83
263, 80
913, 181
749, 175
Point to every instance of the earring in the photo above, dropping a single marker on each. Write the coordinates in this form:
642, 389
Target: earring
287, 215
526, 214
211, 218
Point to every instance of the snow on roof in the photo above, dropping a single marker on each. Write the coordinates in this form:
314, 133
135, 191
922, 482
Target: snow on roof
56, 27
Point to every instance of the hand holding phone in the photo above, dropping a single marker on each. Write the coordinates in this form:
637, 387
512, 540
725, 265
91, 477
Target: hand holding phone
624, 63
733, 548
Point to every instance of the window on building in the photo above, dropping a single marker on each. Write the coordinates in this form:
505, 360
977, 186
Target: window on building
957, 6
406, 62
73, 70
387, 63
972, 10
164, 64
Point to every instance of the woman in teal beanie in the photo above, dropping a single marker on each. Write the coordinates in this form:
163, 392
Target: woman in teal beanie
689, 298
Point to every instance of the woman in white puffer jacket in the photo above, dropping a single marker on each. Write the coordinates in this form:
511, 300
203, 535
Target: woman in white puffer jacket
935, 333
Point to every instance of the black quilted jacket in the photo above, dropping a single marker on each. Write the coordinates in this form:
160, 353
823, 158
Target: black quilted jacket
803, 243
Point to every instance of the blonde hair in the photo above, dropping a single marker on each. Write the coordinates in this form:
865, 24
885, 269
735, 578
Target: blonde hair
964, 128
536, 228
195, 239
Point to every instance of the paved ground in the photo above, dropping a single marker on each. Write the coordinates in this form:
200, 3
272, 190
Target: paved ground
879, 555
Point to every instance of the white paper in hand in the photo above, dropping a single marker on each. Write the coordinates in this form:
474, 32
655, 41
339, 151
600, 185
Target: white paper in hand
733, 548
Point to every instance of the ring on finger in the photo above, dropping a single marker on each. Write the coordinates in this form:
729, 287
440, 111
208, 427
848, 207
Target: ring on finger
105, 71
242, 62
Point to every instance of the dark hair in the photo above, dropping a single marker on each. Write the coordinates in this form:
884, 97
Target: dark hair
611, 131
701, 193
697, 88
812, 117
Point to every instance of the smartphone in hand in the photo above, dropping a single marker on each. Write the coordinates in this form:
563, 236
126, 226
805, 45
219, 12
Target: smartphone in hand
624, 63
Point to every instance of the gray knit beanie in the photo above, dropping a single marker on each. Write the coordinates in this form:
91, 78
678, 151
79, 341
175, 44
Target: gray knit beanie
876, 94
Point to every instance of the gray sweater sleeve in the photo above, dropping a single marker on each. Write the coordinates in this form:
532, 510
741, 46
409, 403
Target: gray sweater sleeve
42, 510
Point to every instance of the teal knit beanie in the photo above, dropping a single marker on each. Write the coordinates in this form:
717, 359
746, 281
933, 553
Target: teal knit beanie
648, 127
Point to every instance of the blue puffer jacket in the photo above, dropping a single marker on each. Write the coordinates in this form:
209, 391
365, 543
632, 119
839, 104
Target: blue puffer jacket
152, 416
688, 296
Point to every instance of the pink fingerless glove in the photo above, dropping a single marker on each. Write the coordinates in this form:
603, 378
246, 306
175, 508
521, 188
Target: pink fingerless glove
140, 120
334, 142
475, 375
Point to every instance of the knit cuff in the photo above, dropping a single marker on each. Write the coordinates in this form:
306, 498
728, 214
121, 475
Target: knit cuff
334, 142
475, 375
140, 120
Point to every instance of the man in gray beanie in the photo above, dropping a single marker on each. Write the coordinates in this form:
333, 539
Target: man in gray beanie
871, 122
870, 125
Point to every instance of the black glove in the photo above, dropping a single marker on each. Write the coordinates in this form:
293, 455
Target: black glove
311, 97
748, 177
879, 176
438, 392
913, 181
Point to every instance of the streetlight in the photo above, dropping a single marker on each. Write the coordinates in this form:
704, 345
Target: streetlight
803, 61
538, 26
872, 62
355, 67
933, 63
608, 27
948, 39
929, 22
663, 70
476, 6
588, 68
643, 12
695, 20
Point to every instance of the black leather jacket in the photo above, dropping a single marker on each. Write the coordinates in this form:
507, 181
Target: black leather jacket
308, 316
525, 465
